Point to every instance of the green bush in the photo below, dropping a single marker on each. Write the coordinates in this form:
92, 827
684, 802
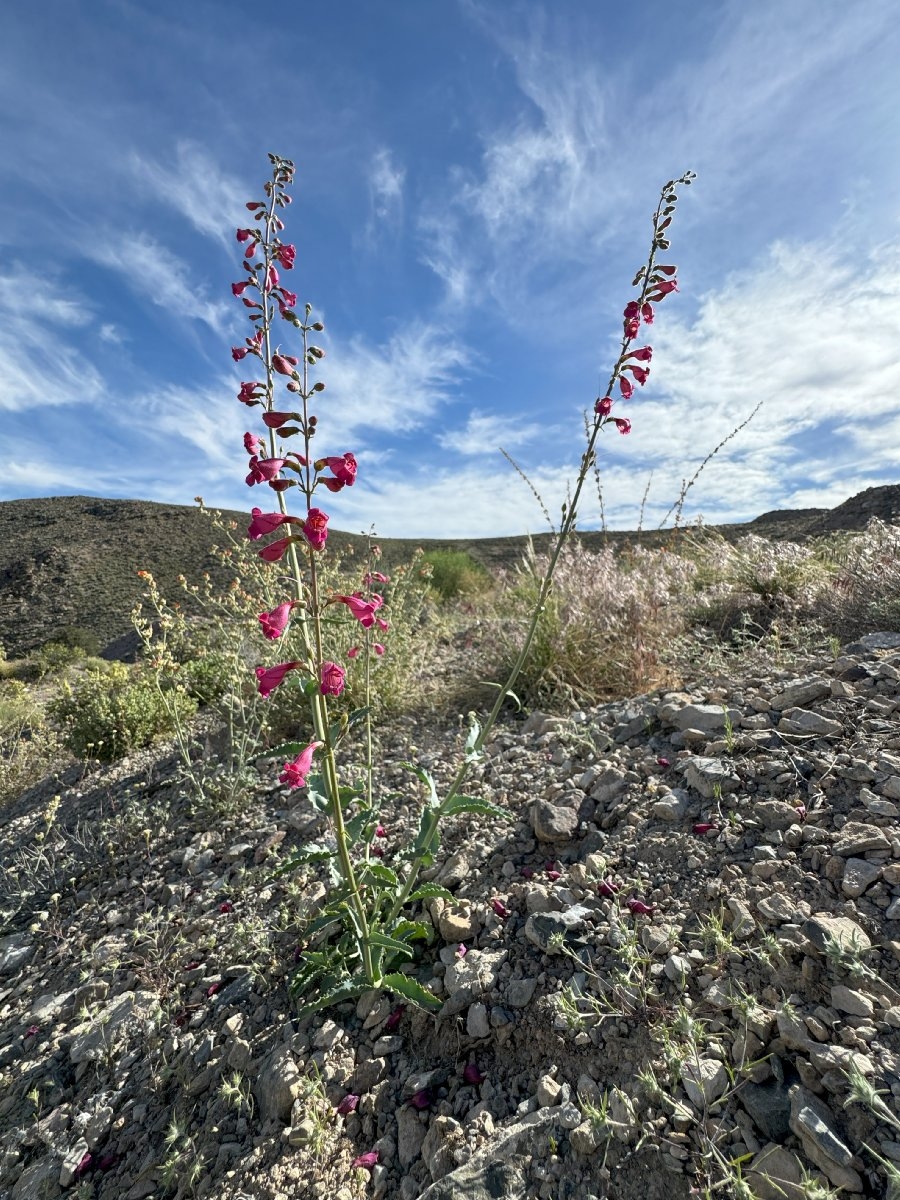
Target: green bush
80, 639
106, 716
455, 573
28, 748
54, 657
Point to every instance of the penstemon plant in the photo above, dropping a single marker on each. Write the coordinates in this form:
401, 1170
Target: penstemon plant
365, 932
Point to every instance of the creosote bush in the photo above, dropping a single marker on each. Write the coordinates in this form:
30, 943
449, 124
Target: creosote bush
455, 574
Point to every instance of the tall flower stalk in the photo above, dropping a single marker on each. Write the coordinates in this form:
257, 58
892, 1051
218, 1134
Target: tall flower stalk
363, 932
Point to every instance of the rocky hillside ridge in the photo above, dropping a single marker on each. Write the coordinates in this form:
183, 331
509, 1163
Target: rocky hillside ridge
676, 958
73, 560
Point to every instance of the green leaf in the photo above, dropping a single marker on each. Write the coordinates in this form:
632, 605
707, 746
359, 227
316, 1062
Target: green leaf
285, 749
317, 793
426, 778
461, 804
332, 990
323, 921
358, 714
362, 825
404, 985
427, 890
380, 872
388, 943
411, 931
348, 794
308, 854
310, 687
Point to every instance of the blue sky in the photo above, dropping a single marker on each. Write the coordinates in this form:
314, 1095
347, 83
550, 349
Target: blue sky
474, 187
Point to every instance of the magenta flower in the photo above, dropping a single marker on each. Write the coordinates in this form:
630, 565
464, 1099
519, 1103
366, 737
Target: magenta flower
353, 652
644, 354
552, 873
421, 1099
263, 469
286, 256
332, 677
663, 289
393, 1021
226, 907
471, 1074
269, 678
348, 1105
315, 528
275, 551
500, 909
608, 888
462, 950
84, 1165
647, 313
622, 424
263, 523
296, 771
274, 420
380, 831
213, 988
275, 622
287, 301
663, 762
641, 374
378, 648
237, 353
377, 850
703, 827
603, 407
253, 444
247, 394
626, 386
284, 364
244, 234
364, 610
271, 279
376, 577
237, 289
367, 1160
639, 908
343, 468
632, 310
632, 327
32, 1031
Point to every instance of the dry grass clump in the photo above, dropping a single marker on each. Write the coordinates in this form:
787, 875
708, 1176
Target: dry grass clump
28, 746
864, 592
604, 626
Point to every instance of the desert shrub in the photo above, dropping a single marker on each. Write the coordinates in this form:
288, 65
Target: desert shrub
604, 628
55, 657
28, 747
106, 716
79, 639
455, 573
864, 592
753, 582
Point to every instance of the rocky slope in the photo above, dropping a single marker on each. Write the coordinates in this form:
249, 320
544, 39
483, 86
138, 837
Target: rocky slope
73, 560
665, 973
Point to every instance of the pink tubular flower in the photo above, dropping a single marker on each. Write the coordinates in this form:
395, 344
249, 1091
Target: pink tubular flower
244, 235
608, 888
378, 648
271, 279
269, 678
331, 679
367, 1160
263, 469
622, 424
238, 289
353, 652
380, 831
238, 352
286, 256
632, 310
641, 374
315, 528
284, 364
348, 1105
632, 327
471, 1074
263, 523
639, 908
663, 289
343, 468
275, 420
703, 827
644, 354
296, 771
500, 909
275, 551
626, 387
603, 407
421, 1099
647, 313
247, 394
274, 623
376, 577
364, 610
252, 444
392, 1024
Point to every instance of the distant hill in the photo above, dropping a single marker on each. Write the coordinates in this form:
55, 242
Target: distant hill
73, 560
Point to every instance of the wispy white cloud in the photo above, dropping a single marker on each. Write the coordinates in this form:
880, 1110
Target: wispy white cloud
483, 434
395, 386
155, 274
196, 187
112, 334
39, 364
386, 181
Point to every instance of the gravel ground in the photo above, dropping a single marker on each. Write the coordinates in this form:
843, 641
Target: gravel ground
678, 968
